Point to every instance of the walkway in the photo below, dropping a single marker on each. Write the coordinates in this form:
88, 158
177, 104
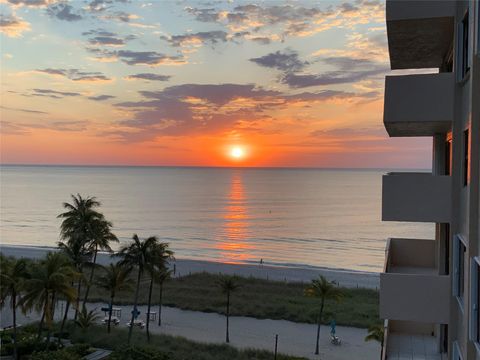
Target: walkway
294, 338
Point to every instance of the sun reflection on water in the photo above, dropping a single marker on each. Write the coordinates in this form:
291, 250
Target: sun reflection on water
233, 246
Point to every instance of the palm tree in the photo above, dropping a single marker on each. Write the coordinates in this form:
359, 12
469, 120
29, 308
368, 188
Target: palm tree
162, 276
78, 256
50, 278
86, 318
78, 225
159, 258
114, 279
324, 290
138, 254
12, 280
228, 285
376, 333
102, 236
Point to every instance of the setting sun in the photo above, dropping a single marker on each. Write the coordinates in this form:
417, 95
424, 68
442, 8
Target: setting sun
237, 152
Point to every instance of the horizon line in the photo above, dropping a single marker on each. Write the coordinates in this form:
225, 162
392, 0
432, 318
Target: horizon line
212, 167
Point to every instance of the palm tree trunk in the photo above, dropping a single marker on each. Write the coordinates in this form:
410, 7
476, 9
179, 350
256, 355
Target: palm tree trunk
318, 327
64, 320
85, 298
148, 307
40, 325
227, 337
160, 305
79, 287
110, 312
135, 301
14, 308
50, 321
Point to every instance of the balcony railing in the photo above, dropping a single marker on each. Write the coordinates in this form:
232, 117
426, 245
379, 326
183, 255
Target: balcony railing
418, 105
411, 288
420, 33
416, 197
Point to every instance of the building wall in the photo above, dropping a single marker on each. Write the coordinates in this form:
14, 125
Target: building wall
465, 198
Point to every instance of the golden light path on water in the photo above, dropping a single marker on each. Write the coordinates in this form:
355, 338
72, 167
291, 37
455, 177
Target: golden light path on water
235, 229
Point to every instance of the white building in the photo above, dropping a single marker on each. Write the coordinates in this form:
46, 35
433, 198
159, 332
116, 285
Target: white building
430, 289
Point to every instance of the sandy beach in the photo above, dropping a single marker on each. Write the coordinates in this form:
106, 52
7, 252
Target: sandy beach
295, 338
345, 278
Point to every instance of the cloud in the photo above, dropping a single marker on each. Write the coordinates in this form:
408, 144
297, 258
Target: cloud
285, 61
148, 76
291, 19
149, 58
101, 97
24, 110
31, 3
191, 109
347, 70
76, 75
102, 37
15, 128
54, 94
264, 40
99, 5
204, 15
13, 26
202, 37
123, 17
328, 78
63, 11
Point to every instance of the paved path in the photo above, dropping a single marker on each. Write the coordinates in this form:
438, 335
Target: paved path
294, 338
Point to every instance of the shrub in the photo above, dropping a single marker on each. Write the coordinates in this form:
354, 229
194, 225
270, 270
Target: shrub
138, 353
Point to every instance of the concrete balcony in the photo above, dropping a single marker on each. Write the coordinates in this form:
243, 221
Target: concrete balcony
420, 33
418, 105
410, 287
412, 340
416, 197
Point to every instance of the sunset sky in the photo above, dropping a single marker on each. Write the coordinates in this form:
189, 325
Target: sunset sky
121, 82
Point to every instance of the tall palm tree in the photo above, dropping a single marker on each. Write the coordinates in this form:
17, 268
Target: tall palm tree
50, 278
228, 285
102, 236
114, 279
159, 258
78, 256
78, 224
162, 276
137, 254
376, 333
13, 275
324, 290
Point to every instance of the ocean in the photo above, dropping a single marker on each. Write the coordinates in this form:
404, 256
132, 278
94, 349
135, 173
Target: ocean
290, 217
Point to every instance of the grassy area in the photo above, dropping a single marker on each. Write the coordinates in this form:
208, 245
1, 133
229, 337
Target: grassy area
176, 348
258, 298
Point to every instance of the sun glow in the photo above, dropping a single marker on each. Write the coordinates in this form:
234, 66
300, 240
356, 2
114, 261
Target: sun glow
237, 152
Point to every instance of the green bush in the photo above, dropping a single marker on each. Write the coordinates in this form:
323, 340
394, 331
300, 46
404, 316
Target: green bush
138, 353
64, 354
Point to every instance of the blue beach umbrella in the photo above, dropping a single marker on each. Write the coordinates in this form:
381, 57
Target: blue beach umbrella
332, 327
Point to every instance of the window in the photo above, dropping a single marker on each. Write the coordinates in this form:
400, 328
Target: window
475, 294
459, 266
466, 162
446, 229
448, 157
463, 51
478, 27
457, 355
